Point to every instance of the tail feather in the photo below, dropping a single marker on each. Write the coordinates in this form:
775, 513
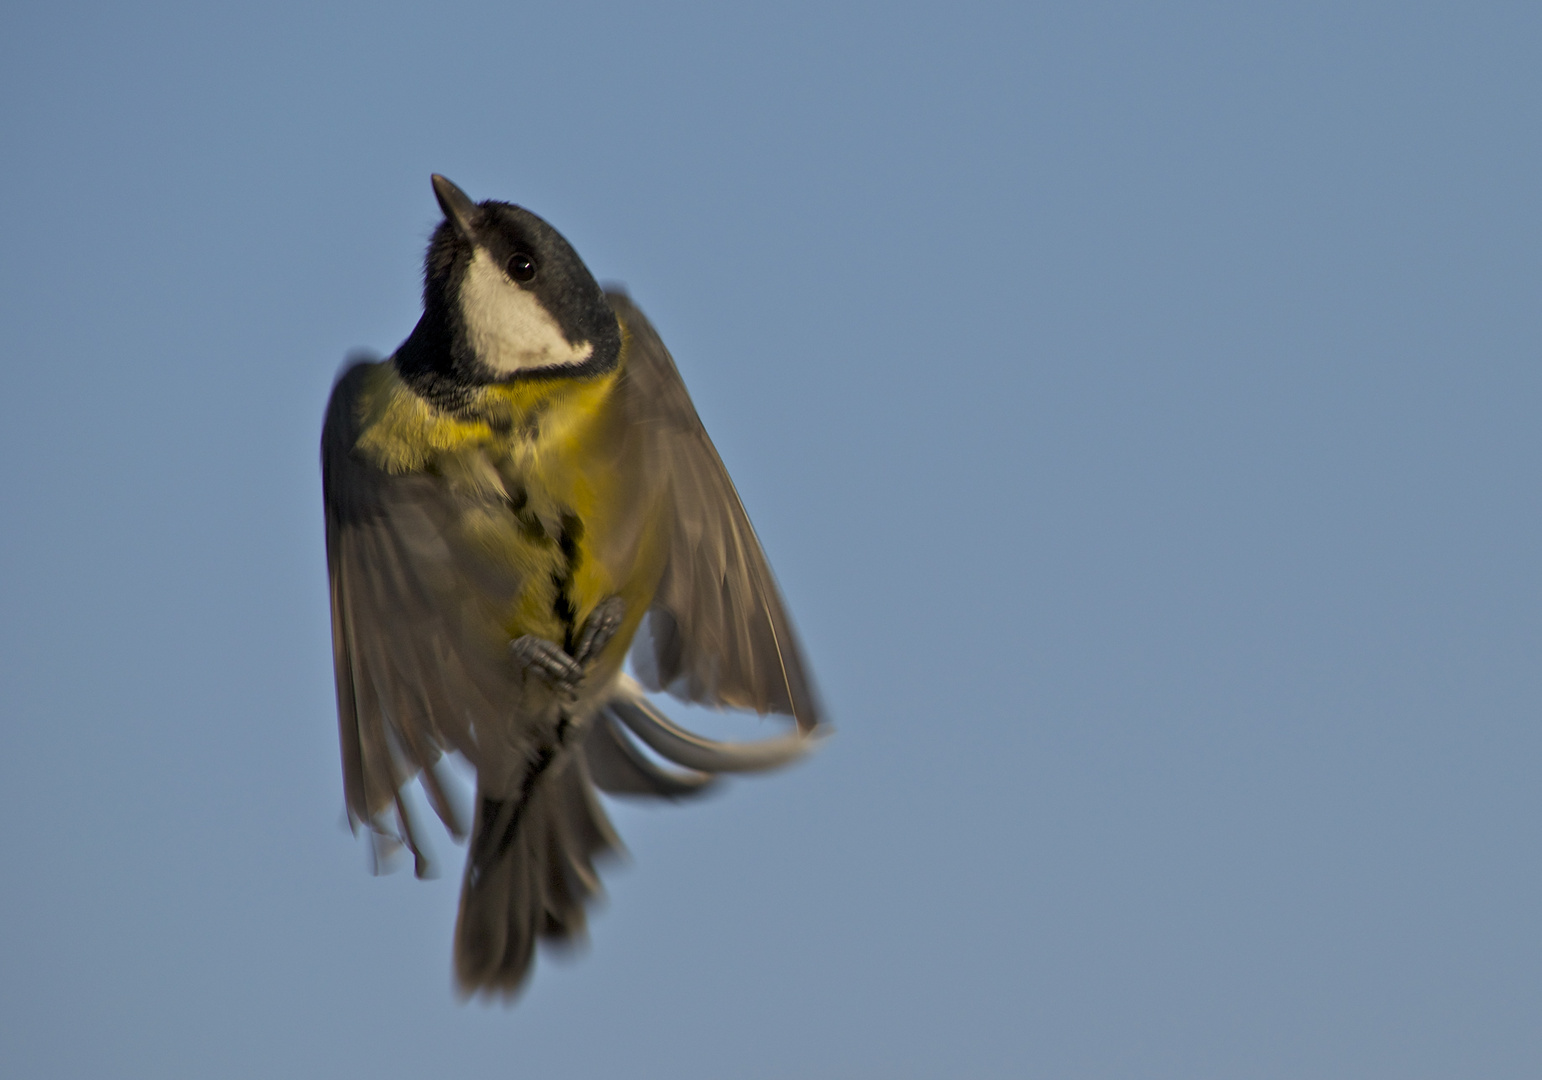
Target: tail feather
537, 886
530, 868
620, 768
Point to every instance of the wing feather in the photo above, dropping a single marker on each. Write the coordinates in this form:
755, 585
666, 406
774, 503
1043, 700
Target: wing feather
718, 633
412, 683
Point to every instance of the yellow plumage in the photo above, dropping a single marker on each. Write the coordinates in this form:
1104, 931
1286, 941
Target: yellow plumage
529, 463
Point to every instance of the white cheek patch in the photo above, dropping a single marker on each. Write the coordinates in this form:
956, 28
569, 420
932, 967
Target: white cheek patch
508, 328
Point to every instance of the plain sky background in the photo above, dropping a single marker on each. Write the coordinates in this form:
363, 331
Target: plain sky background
1139, 404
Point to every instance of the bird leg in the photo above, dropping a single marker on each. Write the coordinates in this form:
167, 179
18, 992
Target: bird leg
599, 628
536, 655
550, 661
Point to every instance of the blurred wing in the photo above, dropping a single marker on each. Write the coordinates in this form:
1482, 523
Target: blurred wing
408, 686
718, 632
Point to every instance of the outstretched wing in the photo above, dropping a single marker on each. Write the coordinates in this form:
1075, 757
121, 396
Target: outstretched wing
413, 678
718, 632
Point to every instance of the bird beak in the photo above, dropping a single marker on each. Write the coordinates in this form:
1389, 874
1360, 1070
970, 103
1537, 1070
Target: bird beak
459, 210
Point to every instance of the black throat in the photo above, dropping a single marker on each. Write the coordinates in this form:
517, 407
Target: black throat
426, 362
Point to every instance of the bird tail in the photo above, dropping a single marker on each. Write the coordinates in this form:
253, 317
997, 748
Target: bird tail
530, 870
528, 875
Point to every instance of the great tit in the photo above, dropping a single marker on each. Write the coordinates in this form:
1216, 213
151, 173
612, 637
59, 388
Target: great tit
517, 498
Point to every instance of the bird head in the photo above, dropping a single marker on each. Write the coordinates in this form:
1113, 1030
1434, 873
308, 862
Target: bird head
512, 294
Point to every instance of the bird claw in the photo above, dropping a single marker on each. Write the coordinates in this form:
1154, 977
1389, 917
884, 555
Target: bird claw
602, 624
548, 659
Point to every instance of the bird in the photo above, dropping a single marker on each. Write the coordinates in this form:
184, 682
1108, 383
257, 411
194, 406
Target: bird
520, 501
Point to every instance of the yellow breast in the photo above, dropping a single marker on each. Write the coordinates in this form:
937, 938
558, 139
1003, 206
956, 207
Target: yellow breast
532, 471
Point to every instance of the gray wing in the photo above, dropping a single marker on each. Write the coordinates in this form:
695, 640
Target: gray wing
411, 681
718, 632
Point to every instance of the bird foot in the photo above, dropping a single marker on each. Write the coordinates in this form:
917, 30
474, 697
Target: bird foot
548, 660
537, 656
601, 626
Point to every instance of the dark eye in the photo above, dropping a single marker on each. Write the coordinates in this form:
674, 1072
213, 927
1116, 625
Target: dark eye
521, 266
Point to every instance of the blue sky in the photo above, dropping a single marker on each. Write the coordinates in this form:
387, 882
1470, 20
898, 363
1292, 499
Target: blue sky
1138, 404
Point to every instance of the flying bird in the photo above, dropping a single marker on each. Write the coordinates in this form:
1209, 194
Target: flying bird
521, 496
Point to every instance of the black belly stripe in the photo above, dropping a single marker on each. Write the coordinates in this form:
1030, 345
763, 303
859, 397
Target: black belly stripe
562, 604
485, 851
518, 502
570, 533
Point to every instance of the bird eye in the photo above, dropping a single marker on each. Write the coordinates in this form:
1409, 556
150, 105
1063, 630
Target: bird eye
521, 266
